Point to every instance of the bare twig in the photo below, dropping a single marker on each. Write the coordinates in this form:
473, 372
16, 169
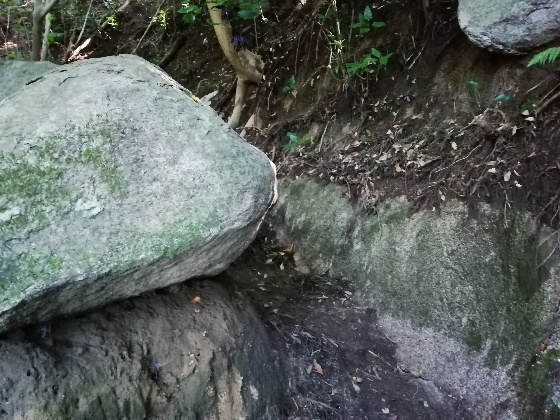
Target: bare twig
85, 21
542, 107
149, 26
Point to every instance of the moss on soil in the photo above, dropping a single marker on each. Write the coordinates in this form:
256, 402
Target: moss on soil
535, 385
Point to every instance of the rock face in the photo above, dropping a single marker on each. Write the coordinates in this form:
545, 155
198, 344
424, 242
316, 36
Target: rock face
15, 74
510, 26
468, 295
152, 357
113, 181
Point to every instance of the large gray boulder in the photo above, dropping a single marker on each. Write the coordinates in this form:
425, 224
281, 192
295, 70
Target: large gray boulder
510, 26
153, 357
114, 180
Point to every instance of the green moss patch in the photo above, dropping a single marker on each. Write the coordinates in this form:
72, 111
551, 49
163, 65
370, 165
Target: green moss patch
33, 180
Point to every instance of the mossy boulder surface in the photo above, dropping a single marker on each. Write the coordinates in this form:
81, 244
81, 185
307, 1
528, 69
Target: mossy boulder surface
114, 180
467, 293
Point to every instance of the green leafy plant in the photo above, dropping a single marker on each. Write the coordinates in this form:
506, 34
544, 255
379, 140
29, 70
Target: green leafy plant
246, 9
545, 57
295, 141
364, 65
346, 58
190, 12
160, 18
15, 55
366, 22
54, 38
290, 86
249, 9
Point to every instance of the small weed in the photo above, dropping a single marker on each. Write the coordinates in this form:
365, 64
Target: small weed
364, 65
529, 105
290, 86
295, 141
366, 22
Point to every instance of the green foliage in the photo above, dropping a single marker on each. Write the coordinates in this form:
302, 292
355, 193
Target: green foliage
295, 141
290, 86
160, 18
190, 12
249, 9
365, 64
67, 19
545, 57
535, 382
337, 25
246, 9
366, 22
15, 55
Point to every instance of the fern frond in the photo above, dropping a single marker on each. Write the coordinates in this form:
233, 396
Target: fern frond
546, 56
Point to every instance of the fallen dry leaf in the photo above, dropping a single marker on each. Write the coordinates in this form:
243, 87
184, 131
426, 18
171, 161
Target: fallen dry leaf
507, 176
287, 250
197, 300
269, 261
317, 367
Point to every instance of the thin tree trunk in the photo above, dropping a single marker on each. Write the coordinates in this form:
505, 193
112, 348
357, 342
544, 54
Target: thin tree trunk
45, 47
40, 10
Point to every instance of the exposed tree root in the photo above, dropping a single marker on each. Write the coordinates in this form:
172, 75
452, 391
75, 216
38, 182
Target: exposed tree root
172, 53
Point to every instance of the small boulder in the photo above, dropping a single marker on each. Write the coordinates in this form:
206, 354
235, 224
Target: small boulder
510, 26
115, 180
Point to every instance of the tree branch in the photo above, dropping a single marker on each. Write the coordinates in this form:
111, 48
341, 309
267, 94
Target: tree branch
48, 7
223, 33
247, 65
40, 10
